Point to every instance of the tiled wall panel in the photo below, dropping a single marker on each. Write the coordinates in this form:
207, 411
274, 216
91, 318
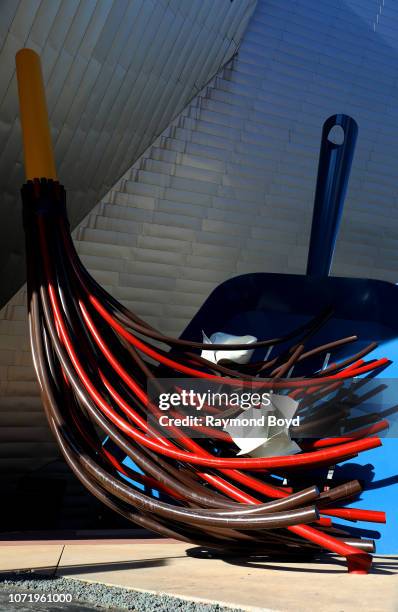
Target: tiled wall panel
116, 73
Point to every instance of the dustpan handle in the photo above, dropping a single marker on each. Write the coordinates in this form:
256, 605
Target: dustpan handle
334, 168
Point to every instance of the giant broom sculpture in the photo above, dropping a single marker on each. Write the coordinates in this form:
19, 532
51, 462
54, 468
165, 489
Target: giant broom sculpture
91, 360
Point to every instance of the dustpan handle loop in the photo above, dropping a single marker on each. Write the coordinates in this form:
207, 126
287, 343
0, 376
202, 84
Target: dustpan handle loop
334, 168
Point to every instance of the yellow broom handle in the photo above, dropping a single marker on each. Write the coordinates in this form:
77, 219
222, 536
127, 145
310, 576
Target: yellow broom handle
38, 150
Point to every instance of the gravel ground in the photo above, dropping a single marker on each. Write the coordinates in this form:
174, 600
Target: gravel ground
87, 597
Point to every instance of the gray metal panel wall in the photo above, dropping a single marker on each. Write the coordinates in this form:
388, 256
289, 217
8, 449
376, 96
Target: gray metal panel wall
116, 72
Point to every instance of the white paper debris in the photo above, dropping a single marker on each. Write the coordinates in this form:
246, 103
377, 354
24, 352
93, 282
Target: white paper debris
284, 404
239, 356
277, 445
265, 440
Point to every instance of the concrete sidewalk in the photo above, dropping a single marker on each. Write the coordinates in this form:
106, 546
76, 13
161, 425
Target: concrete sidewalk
180, 570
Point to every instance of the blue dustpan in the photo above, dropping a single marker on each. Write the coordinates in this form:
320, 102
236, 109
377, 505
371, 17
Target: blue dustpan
271, 305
